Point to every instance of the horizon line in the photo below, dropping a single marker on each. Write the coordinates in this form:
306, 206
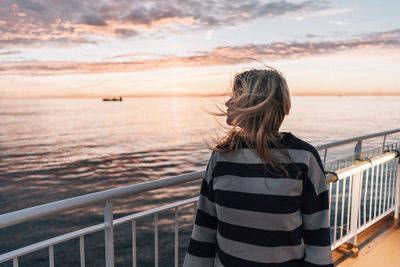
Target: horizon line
188, 95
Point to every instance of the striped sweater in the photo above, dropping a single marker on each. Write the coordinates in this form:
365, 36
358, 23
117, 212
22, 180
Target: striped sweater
249, 215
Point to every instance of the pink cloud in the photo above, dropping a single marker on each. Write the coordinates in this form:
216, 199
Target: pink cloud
228, 55
25, 22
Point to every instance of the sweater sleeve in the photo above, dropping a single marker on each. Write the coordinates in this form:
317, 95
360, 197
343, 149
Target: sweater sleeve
201, 250
315, 215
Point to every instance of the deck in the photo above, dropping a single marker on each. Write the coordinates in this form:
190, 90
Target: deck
379, 246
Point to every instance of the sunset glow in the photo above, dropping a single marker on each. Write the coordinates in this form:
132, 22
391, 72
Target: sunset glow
161, 48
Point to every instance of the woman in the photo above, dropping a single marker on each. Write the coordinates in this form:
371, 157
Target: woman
264, 198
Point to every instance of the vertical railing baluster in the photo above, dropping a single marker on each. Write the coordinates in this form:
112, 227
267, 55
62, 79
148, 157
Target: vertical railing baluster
15, 262
394, 182
359, 200
134, 253
371, 191
330, 197
394, 179
385, 191
342, 218
390, 192
82, 250
390, 175
336, 210
176, 236
349, 203
156, 239
381, 189
388, 185
365, 196
397, 197
378, 167
109, 234
355, 204
330, 193
51, 256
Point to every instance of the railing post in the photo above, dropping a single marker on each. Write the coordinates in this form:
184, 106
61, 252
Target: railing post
357, 150
51, 256
156, 239
109, 234
325, 156
397, 197
176, 236
82, 250
355, 207
134, 260
384, 143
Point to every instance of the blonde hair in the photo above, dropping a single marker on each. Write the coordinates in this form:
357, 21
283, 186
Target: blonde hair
259, 102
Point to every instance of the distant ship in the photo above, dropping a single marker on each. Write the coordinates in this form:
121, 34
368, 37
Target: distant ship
113, 99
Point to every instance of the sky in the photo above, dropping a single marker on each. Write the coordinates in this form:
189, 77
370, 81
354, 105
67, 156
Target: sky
81, 48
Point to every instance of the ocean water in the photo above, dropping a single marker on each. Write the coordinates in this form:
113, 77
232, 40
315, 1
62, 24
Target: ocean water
52, 149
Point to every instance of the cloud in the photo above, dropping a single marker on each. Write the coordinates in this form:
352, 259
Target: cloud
7, 53
93, 19
344, 22
339, 22
134, 56
227, 55
27, 22
209, 34
325, 12
126, 32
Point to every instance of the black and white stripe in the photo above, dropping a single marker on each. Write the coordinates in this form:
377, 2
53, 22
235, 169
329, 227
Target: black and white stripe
250, 215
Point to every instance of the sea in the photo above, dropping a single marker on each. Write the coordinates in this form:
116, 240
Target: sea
53, 149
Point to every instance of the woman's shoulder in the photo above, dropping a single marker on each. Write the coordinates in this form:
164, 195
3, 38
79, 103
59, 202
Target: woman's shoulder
291, 141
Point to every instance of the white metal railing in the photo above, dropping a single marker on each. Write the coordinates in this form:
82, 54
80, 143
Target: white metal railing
363, 188
57, 207
362, 194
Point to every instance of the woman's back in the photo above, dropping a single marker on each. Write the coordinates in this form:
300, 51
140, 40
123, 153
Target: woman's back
251, 215
264, 198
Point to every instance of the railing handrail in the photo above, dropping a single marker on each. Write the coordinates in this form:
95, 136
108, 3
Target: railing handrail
28, 214
91, 229
355, 139
361, 166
